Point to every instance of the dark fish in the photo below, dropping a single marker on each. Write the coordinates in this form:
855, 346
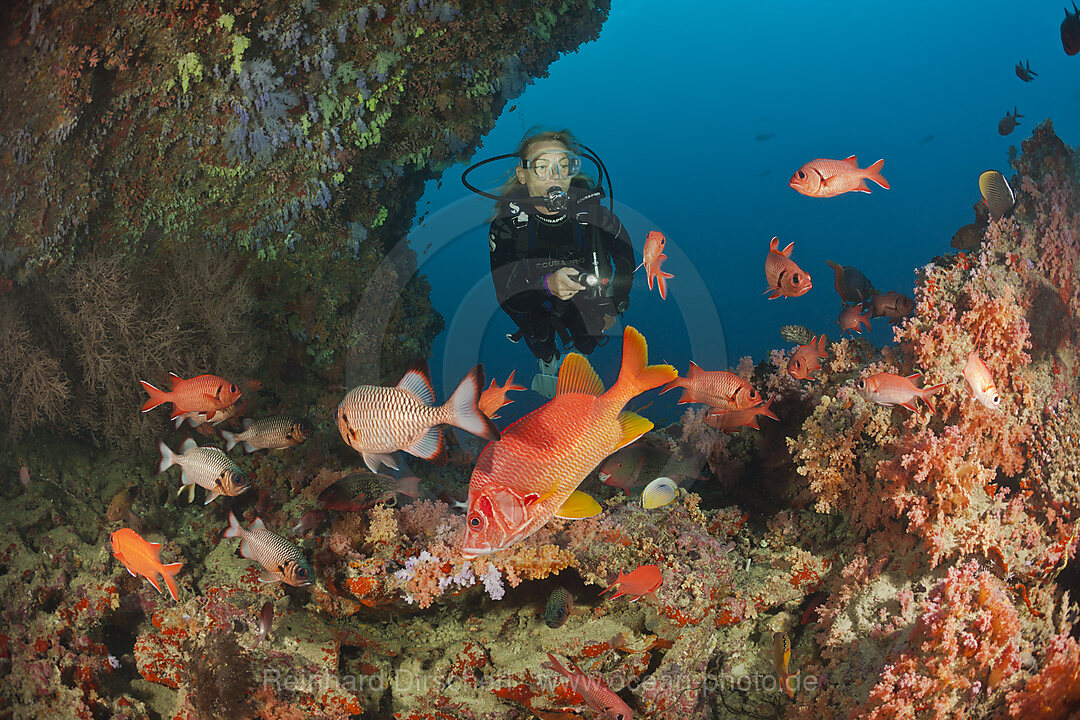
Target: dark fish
272, 433
1025, 73
928, 138
892, 305
1070, 31
558, 607
281, 560
363, 490
1008, 123
996, 193
266, 621
968, 237
762, 137
851, 285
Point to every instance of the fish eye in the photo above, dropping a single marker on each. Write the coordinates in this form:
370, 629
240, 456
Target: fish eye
232, 388
996, 399
862, 384
476, 522
301, 572
802, 175
795, 278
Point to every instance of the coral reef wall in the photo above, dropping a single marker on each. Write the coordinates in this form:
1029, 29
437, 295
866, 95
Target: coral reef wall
288, 140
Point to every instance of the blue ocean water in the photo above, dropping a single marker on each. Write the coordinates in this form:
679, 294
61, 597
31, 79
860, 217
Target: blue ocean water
673, 101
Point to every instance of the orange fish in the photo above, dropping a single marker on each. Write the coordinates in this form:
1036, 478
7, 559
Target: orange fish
728, 420
653, 258
593, 691
141, 558
889, 389
719, 389
781, 657
531, 474
785, 278
805, 361
204, 394
980, 383
641, 581
495, 397
829, 178
378, 421
851, 317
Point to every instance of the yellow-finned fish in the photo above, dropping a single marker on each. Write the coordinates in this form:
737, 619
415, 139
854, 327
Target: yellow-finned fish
658, 493
781, 656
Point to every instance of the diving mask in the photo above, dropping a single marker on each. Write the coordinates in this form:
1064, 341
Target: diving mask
553, 164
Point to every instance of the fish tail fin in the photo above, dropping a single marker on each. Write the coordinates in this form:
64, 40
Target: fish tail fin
636, 375
836, 268
874, 173
928, 393
234, 527
677, 382
555, 665
157, 396
168, 457
168, 572
463, 408
230, 440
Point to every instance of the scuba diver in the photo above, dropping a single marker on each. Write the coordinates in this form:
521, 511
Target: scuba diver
562, 264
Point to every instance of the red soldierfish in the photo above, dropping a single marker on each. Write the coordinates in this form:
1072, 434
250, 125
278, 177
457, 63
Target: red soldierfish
806, 360
851, 317
203, 393
530, 475
785, 278
719, 389
596, 694
728, 420
889, 389
653, 258
141, 558
980, 383
829, 178
378, 421
495, 396
641, 581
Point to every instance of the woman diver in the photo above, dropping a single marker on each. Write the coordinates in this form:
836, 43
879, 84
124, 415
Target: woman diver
562, 264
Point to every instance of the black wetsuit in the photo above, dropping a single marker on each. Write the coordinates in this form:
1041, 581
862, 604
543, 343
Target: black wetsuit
526, 246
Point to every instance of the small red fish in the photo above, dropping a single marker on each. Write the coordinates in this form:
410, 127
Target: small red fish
889, 389
980, 383
806, 360
596, 694
785, 278
851, 317
495, 396
203, 393
640, 582
829, 178
141, 558
719, 389
728, 420
652, 258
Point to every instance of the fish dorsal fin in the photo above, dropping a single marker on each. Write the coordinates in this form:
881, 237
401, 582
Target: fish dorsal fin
256, 524
786, 252
914, 377
188, 445
248, 422
416, 381
154, 546
577, 376
173, 379
693, 371
578, 506
633, 426
850, 160
774, 244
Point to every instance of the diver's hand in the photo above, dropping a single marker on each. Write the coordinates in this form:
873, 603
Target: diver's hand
560, 284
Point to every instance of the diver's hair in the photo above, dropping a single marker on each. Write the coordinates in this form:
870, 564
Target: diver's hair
533, 137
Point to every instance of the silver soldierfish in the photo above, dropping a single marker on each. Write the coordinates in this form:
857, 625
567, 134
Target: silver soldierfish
378, 421
208, 467
272, 433
282, 561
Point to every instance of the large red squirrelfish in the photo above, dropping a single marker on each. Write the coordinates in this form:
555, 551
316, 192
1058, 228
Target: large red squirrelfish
785, 278
829, 178
204, 393
652, 258
719, 389
889, 389
378, 421
596, 694
531, 474
141, 558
